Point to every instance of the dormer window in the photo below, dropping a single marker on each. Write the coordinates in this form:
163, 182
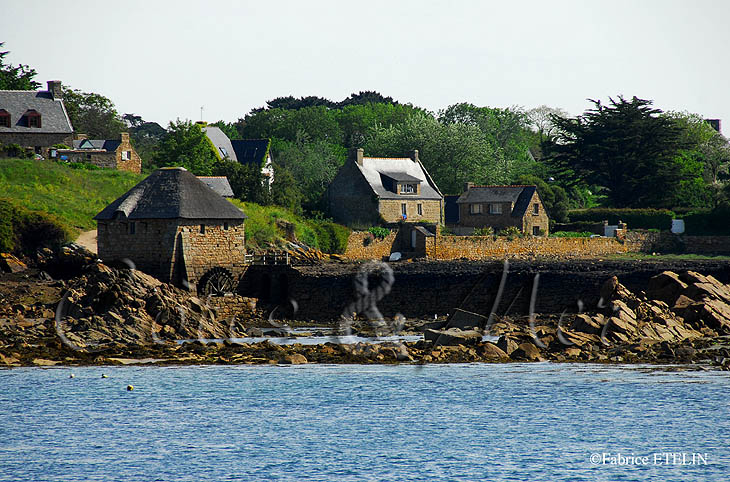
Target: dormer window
224, 152
34, 118
4, 118
408, 188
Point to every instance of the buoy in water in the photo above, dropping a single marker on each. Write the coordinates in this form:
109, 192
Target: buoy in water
103, 375
130, 388
72, 376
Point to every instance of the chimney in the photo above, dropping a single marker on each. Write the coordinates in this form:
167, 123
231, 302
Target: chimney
413, 155
54, 87
125, 137
357, 155
202, 124
81, 137
468, 185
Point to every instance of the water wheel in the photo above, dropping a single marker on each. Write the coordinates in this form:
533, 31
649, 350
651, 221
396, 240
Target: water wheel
216, 282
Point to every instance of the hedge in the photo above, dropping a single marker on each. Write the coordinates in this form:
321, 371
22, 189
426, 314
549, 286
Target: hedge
708, 223
24, 231
634, 218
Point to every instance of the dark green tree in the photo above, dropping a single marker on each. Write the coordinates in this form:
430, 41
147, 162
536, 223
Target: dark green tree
553, 197
285, 190
186, 145
92, 114
246, 181
146, 138
627, 147
18, 77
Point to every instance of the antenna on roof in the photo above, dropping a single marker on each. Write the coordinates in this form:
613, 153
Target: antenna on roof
201, 112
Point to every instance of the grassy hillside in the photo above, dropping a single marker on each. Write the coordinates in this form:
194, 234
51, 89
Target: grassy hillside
73, 196
266, 225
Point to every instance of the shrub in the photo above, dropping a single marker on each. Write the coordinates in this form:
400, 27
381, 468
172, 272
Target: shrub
379, 232
485, 231
634, 218
24, 231
511, 233
571, 234
87, 166
708, 223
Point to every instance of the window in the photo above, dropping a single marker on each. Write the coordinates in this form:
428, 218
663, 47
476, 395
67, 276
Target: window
34, 118
88, 156
475, 209
407, 188
495, 209
4, 118
125, 155
536, 229
224, 152
420, 209
225, 226
202, 229
132, 228
404, 211
536, 208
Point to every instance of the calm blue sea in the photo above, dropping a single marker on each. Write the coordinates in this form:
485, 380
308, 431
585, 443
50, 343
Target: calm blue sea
521, 422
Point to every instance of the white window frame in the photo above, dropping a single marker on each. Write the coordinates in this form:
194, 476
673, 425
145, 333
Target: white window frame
495, 208
476, 208
407, 188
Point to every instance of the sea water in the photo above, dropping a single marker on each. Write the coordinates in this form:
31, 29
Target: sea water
521, 422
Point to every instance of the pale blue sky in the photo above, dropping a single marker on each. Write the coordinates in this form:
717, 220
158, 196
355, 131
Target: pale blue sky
164, 59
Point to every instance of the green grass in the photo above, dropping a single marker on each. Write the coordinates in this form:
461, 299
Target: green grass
666, 257
571, 234
73, 196
265, 228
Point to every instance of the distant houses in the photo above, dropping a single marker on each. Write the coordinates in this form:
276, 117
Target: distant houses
369, 191
501, 207
254, 152
35, 119
174, 227
107, 153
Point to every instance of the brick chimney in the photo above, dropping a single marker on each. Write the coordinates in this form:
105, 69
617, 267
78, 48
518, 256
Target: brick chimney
468, 185
81, 137
54, 87
356, 155
413, 155
125, 137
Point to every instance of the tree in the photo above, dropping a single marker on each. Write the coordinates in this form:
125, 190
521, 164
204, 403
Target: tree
541, 119
625, 147
92, 114
186, 145
145, 137
246, 181
553, 197
18, 77
285, 191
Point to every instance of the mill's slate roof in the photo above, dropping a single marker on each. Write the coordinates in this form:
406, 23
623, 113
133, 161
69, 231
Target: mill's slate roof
251, 151
219, 184
401, 176
221, 142
171, 193
519, 195
373, 167
97, 144
54, 119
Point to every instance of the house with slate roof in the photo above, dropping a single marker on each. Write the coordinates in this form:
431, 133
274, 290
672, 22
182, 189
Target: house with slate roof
106, 153
219, 184
174, 227
245, 151
368, 191
35, 119
500, 207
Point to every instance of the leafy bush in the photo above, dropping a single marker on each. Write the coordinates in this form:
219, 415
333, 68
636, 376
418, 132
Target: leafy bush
379, 232
571, 234
86, 166
708, 223
634, 218
511, 233
17, 151
24, 231
485, 231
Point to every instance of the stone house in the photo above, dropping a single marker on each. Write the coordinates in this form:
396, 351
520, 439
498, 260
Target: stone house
245, 151
106, 153
368, 191
35, 119
173, 226
500, 207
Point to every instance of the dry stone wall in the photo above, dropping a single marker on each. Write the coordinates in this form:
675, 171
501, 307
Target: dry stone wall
362, 245
208, 244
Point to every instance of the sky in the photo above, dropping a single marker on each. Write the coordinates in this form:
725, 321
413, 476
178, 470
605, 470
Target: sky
163, 60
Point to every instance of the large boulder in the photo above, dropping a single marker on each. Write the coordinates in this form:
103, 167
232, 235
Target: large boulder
665, 286
453, 337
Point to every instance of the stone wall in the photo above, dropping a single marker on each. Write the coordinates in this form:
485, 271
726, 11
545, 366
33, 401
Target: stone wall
227, 307
174, 251
351, 201
40, 142
208, 244
362, 245
108, 159
390, 210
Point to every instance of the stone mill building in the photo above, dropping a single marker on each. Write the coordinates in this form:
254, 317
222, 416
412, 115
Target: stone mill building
174, 227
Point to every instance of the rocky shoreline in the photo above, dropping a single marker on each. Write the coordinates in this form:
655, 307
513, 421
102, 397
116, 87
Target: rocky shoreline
116, 316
